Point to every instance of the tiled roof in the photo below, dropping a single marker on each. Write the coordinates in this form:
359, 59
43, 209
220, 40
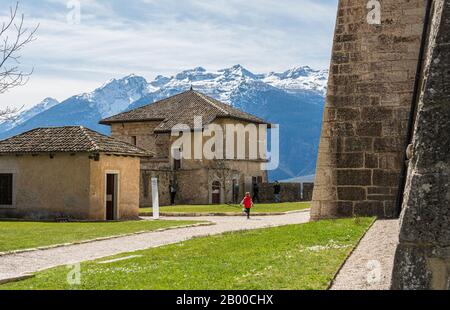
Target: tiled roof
71, 139
181, 109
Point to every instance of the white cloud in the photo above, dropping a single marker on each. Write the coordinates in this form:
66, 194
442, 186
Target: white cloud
151, 37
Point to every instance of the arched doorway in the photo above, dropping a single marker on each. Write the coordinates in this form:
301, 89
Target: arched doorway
216, 192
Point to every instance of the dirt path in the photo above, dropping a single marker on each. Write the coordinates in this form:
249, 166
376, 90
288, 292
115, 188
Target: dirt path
16, 265
370, 265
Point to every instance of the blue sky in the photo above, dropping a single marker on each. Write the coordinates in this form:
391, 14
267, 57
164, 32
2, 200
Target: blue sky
151, 37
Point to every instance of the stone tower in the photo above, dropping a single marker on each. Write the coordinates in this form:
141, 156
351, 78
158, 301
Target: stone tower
373, 72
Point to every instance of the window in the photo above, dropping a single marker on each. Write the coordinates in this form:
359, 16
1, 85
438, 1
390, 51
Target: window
6, 189
257, 180
134, 140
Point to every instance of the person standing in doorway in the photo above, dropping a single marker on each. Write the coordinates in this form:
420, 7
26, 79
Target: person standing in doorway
276, 192
255, 192
173, 191
247, 203
236, 190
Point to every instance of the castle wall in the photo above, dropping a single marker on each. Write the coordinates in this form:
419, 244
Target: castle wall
365, 122
195, 181
290, 192
423, 256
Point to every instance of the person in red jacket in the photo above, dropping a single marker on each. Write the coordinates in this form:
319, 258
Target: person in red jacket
247, 203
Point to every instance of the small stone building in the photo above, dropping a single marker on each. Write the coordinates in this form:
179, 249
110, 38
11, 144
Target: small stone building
69, 172
199, 181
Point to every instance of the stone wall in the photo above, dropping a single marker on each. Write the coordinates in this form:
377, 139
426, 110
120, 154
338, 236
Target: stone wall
290, 192
423, 256
45, 187
365, 122
195, 180
143, 132
128, 170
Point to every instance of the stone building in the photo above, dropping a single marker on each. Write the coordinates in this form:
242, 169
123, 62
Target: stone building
199, 180
385, 140
69, 172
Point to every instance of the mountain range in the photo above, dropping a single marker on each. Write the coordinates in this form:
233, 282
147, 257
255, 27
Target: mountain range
294, 99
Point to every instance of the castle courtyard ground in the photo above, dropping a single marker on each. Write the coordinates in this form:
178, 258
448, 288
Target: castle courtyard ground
18, 236
370, 265
229, 209
287, 251
290, 256
16, 265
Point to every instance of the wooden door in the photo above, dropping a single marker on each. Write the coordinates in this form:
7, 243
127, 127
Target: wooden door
6, 189
110, 197
216, 193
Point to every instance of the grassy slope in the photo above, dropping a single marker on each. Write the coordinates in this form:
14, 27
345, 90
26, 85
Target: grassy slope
24, 235
291, 257
269, 207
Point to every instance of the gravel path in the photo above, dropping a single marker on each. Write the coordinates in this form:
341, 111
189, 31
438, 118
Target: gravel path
16, 265
370, 265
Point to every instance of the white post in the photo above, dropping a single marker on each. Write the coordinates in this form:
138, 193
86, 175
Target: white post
155, 198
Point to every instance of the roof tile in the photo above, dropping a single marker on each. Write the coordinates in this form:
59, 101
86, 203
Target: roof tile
181, 109
70, 139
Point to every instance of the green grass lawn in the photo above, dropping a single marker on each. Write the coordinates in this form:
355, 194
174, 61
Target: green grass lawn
24, 235
262, 208
294, 257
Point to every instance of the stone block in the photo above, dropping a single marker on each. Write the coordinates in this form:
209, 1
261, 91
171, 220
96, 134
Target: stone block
369, 208
354, 177
385, 178
358, 144
369, 129
389, 144
374, 114
351, 193
349, 160
378, 190
371, 160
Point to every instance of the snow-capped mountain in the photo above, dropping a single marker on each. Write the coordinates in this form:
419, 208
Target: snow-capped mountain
116, 95
299, 79
25, 115
294, 99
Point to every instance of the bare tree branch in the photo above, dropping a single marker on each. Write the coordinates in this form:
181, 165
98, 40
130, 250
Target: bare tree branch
14, 36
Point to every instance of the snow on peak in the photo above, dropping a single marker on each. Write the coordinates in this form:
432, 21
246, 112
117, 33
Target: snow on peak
47, 103
195, 75
223, 83
237, 71
25, 115
299, 79
117, 94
